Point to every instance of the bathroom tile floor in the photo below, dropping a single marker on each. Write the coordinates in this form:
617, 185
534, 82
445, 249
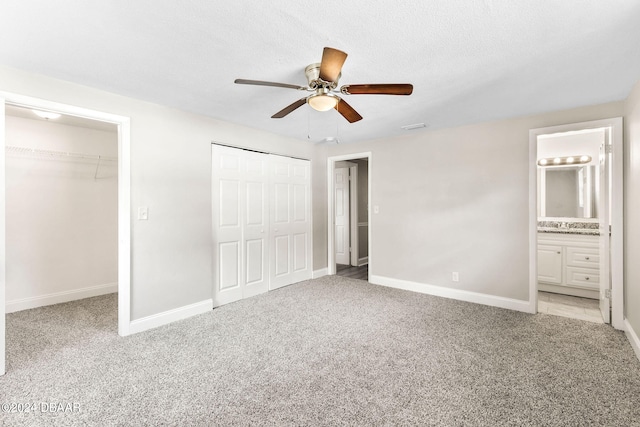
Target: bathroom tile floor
569, 306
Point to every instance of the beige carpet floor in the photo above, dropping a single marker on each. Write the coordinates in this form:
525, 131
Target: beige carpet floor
332, 351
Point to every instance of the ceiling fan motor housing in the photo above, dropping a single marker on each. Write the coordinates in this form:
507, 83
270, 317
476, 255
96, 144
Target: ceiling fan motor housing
312, 72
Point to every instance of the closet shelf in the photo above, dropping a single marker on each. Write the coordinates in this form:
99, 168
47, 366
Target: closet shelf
57, 154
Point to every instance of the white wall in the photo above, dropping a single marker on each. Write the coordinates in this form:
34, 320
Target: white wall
61, 237
319, 208
458, 200
171, 175
632, 210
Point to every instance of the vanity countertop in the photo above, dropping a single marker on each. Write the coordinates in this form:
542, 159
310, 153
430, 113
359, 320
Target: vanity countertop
557, 230
569, 227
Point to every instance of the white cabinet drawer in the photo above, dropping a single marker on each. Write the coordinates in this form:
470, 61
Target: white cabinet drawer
583, 257
583, 277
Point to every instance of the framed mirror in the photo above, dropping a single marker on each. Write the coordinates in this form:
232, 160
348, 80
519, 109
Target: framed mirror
568, 191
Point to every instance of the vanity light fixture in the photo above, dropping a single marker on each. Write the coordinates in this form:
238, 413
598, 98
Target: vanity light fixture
46, 114
561, 161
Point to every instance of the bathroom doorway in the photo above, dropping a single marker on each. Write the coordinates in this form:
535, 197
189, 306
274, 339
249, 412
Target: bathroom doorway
576, 227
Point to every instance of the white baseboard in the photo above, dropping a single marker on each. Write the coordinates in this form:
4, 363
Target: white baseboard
633, 337
319, 273
457, 294
169, 316
59, 297
363, 261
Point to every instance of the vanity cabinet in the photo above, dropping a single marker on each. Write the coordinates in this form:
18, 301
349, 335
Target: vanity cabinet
550, 264
569, 264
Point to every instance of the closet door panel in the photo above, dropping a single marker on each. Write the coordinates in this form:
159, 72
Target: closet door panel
299, 203
227, 213
281, 256
300, 245
281, 201
291, 221
255, 262
229, 203
229, 268
256, 224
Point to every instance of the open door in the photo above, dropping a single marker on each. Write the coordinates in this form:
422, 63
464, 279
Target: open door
341, 212
603, 215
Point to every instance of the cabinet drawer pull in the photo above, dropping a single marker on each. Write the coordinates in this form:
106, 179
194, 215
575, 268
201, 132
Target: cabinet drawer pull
558, 252
587, 258
586, 278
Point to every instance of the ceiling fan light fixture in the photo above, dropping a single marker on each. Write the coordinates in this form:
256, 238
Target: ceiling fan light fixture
322, 102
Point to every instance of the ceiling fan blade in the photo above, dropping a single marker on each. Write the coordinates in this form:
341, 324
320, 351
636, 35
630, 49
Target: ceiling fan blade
262, 83
378, 89
347, 111
331, 65
286, 110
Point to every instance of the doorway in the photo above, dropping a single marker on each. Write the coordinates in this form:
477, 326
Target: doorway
123, 197
576, 221
349, 195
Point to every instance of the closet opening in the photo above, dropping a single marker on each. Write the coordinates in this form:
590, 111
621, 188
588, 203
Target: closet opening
65, 211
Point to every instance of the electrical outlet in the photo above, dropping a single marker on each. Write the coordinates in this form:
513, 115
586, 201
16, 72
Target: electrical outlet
455, 277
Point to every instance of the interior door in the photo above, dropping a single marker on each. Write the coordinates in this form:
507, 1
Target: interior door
227, 224
341, 215
603, 216
255, 240
240, 223
290, 221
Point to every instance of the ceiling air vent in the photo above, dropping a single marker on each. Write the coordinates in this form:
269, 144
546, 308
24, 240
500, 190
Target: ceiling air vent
414, 126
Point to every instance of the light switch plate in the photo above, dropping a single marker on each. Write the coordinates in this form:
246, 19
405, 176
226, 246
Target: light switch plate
143, 213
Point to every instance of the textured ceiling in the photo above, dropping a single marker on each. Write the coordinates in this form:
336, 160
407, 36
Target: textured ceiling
469, 61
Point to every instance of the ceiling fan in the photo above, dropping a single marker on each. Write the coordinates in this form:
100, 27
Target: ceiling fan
322, 83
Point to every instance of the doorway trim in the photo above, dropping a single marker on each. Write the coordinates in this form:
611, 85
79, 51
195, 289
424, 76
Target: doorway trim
124, 202
354, 242
617, 224
331, 162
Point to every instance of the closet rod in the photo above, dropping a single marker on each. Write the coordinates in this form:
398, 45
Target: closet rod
53, 153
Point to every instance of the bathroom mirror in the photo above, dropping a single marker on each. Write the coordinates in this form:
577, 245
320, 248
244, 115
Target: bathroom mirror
567, 192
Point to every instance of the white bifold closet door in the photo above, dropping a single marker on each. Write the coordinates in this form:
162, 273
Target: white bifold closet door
261, 222
290, 231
